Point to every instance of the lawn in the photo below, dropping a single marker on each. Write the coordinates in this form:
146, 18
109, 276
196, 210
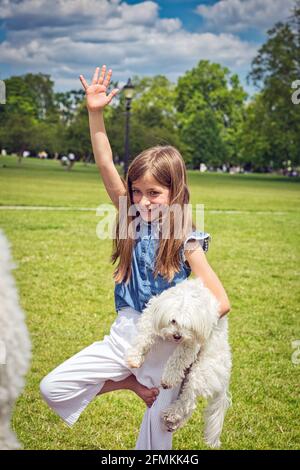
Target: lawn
65, 283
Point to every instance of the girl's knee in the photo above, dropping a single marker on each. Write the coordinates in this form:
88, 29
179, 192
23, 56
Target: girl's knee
48, 388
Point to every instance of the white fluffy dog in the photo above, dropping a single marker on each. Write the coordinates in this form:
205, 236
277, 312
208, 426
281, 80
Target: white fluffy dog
14, 347
188, 315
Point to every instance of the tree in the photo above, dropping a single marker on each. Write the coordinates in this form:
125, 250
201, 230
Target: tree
40, 88
209, 102
67, 103
255, 146
153, 118
154, 102
77, 137
18, 116
201, 134
28, 119
273, 71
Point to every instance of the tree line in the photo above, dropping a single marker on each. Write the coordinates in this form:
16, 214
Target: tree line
207, 114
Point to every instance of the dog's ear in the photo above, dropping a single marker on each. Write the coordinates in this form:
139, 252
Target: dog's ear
157, 316
151, 312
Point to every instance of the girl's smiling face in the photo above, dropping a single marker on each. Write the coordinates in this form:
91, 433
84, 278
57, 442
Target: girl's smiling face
148, 195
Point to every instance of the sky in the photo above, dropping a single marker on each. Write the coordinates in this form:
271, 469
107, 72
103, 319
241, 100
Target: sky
66, 38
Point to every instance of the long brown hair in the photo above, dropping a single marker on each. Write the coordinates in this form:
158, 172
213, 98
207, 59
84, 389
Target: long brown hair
166, 165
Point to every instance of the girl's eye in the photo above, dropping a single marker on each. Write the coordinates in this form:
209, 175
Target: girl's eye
152, 193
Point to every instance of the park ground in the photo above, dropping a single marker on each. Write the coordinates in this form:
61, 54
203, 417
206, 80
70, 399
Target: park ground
65, 283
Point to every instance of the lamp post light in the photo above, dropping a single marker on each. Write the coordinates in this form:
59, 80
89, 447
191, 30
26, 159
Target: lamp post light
128, 92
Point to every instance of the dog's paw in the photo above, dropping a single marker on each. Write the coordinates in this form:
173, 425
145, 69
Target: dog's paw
171, 420
134, 360
165, 385
169, 381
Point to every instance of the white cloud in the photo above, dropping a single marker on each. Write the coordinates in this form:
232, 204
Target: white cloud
57, 8
131, 39
145, 12
239, 15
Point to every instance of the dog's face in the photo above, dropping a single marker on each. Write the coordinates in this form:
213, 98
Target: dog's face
185, 313
174, 331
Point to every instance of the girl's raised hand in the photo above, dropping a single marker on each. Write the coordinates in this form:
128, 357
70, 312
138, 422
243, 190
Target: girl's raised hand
96, 97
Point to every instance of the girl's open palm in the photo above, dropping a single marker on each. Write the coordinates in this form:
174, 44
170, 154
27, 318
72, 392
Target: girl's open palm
96, 97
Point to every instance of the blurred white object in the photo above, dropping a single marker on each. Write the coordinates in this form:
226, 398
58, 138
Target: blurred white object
14, 346
65, 161
43, 154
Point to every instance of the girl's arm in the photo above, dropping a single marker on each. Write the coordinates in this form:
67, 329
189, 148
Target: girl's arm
96, 100
201, 268
103, 157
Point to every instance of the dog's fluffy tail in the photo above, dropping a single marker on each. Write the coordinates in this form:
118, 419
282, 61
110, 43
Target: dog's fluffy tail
214, 415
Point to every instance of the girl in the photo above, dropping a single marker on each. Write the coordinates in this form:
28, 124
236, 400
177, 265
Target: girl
148, 264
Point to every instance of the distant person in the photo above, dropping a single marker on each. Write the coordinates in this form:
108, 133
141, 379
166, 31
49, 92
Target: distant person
65, 161
43, 154
202, 167
72, 160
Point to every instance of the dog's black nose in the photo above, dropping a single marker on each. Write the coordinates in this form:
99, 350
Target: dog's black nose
176, 336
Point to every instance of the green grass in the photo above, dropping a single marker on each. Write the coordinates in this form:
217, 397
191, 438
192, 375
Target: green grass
66, 289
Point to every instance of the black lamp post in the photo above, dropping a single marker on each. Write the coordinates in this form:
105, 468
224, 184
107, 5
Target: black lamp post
128, 92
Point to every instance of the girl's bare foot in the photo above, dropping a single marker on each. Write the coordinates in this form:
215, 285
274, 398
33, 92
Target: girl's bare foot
149, 395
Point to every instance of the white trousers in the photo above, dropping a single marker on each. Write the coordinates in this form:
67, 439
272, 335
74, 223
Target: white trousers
70, 387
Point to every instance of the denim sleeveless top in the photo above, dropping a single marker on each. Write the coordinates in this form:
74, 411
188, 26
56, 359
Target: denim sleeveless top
142, 284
